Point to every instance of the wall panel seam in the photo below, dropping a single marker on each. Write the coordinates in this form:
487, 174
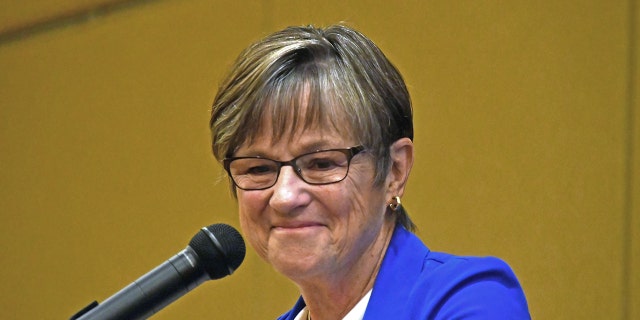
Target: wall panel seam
64, 19
629, 160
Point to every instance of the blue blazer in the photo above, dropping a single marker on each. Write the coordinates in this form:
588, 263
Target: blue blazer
416, 283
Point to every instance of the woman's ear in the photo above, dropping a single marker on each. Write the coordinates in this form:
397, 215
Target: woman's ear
401, 162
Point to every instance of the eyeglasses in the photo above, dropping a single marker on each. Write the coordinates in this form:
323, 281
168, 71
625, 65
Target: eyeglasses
316, 168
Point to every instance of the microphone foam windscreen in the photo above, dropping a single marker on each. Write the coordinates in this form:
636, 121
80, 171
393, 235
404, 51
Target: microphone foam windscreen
221, 249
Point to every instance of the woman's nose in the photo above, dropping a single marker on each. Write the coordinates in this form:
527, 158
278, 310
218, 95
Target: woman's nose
289, 192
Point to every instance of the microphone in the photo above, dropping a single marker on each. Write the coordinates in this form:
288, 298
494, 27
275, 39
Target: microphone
214, 252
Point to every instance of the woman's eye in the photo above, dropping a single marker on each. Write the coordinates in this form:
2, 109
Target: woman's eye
258, 170
321, 164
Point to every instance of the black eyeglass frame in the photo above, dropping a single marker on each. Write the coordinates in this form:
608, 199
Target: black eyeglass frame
349, 152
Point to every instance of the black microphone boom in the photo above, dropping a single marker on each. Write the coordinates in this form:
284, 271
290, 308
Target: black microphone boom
214, 252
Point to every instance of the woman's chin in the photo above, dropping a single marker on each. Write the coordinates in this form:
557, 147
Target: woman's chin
296, 266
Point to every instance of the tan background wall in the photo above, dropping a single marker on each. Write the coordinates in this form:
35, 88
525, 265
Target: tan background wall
526, 114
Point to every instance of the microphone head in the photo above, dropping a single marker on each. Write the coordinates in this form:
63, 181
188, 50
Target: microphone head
220, 248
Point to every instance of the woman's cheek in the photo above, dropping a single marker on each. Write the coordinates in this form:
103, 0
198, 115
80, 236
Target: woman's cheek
252, 209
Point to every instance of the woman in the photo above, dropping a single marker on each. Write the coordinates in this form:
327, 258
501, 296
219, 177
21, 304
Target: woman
314, 127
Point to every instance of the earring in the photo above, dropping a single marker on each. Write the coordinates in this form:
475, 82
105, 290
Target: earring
395, 203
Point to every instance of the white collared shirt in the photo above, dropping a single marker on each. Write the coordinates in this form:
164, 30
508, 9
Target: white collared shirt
357, 313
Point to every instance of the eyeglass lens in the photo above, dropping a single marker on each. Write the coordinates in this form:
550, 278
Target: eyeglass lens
322, 167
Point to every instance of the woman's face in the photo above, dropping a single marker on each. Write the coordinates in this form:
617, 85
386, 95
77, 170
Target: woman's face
308, 231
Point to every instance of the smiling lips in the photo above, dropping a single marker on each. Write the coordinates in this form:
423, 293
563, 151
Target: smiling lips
296, 226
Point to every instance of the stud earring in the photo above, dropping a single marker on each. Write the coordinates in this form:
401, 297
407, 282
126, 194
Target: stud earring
395, 203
